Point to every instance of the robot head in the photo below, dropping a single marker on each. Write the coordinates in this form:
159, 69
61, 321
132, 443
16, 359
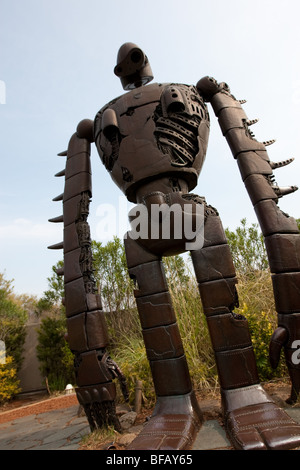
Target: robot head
132, 67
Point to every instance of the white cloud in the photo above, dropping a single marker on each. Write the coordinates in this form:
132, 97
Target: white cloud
22, 229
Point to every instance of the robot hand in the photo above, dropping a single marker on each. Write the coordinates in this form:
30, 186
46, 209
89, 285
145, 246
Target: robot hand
98, 399
208, 87
286, 337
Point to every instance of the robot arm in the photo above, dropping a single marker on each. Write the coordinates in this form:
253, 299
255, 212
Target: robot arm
86, 326
281, 234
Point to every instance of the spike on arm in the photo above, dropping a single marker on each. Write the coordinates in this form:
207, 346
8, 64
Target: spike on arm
275, 165
58, 198
61, 173
252, 121
60, 218
284, 191
269, 142
57, 246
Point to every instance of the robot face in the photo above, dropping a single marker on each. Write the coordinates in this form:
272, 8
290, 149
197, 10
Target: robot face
132, 67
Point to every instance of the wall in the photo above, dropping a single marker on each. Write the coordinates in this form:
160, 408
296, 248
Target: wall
30, 377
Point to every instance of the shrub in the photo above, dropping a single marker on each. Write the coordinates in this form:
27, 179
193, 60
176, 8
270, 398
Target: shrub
133, 362
257, 305
9, 384
13, 318
247, 248
54, 353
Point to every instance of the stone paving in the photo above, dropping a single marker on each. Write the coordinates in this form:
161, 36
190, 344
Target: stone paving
63, 429
59, 429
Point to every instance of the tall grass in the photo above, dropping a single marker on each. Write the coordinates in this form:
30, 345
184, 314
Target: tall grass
195, 336
256, 304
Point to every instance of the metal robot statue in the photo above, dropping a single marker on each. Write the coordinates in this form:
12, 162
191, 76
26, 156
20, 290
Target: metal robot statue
153, 141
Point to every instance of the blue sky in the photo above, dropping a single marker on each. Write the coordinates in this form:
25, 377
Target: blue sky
56, 62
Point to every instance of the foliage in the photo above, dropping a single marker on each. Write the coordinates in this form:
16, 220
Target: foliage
247, 248
195, 336
13, 317
9, 384
257, 305
132, 359
53, 352
261, 330
56, 359
52, 298
176, 271
112, 276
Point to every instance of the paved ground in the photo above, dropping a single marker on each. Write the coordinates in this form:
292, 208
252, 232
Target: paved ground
63, 429
58, 429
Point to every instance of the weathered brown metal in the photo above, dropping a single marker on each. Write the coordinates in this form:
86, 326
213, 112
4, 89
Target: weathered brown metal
153, 141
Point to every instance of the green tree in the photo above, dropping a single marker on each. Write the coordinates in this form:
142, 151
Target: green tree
111, 274
176, 272
53, 352
52, 298
247, 248
13, 317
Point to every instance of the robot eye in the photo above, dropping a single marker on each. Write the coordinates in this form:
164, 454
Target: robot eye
136, 56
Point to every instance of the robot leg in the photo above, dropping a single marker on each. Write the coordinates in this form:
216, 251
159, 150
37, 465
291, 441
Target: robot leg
253, 421
176, 417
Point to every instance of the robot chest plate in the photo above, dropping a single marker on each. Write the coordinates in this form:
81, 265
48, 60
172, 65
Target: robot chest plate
152, 130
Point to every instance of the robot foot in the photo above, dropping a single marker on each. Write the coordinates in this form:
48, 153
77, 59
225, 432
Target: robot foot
172, 426
254, 422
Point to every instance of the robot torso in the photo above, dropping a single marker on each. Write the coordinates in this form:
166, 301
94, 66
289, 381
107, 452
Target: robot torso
153, 131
